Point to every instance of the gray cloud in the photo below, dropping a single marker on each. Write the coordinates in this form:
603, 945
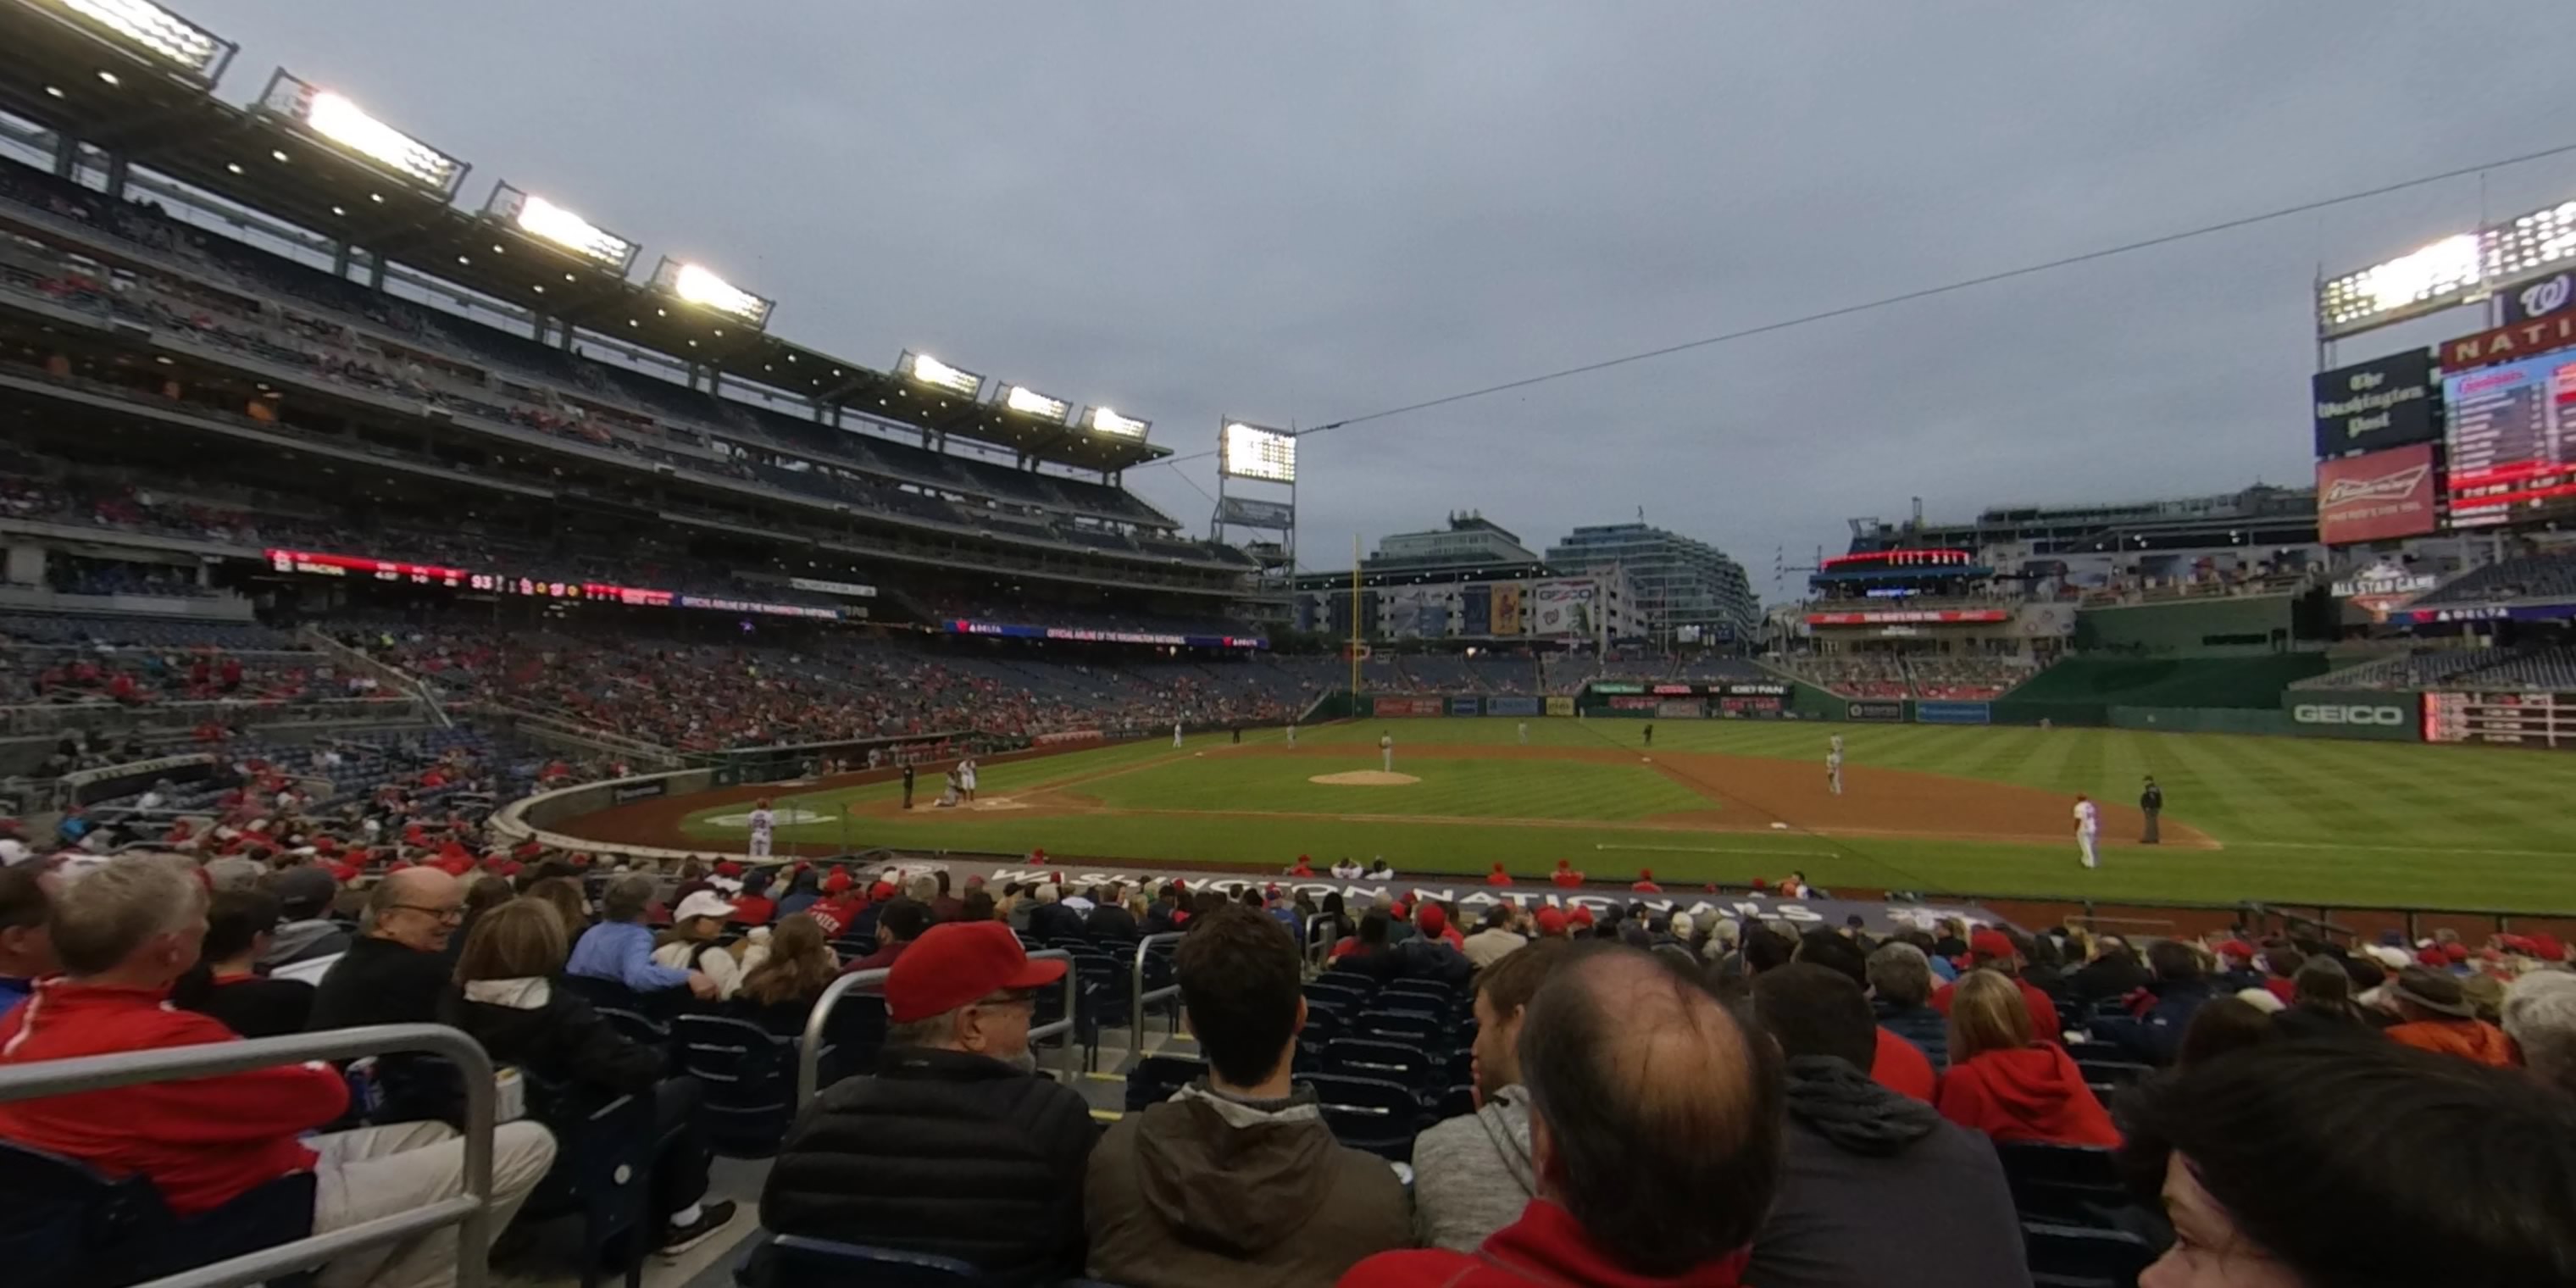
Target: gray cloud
1317, 211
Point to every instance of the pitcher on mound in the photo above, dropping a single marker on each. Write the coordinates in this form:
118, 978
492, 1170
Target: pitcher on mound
1386, 751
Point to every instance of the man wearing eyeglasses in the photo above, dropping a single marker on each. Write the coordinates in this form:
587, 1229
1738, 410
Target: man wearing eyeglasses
398, 966
957, 1147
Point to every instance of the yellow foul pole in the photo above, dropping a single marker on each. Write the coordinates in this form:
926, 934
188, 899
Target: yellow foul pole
1355, 623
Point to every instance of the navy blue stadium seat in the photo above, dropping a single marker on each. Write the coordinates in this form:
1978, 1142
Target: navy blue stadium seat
2066, 1256
1462, 1063
853, 1037
795, 1261
748, 1077
1156, 1077
2063, 1184
603, 1174
65, 1223
1408, 1028
1373, 1114
1431, 990
1406, 1066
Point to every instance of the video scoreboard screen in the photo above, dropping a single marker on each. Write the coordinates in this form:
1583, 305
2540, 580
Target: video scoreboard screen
2512, 442
2510, 719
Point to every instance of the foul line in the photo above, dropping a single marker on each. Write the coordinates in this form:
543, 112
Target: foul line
1721, 849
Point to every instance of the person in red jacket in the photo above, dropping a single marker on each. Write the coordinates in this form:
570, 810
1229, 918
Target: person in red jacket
1992, 950
1498, 877
125, 933
1645, 882
1633, 1070
1433, 921
1565, 876
2005, 1083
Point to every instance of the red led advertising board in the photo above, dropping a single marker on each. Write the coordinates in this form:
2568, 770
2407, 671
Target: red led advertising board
322, 565
2376, 496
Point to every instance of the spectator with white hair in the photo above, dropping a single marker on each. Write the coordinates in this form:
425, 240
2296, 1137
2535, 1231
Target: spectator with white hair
126, 932
1900, 989
1050, 919
2540, 1020
619, 948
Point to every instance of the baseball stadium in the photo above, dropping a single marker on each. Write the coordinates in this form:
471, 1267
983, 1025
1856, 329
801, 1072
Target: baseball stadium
430, 617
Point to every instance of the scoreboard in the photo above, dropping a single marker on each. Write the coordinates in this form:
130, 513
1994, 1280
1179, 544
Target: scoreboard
2512, 719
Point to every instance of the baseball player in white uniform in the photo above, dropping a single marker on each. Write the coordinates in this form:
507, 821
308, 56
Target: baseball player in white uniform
763, 824
2088, 831
966, 777
1835, 744
1524, 733
1386, 751
1292, 735
1834, 771
1176, 733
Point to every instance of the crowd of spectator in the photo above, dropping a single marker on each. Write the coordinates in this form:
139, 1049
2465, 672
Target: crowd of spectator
1893, 675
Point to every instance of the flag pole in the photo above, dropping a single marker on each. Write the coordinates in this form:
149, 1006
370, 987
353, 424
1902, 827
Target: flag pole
1355, 624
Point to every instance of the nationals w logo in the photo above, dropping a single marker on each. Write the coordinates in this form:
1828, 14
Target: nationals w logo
2387, 487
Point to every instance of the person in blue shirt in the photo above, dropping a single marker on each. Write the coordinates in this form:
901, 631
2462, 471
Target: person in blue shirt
620, 947
26, 949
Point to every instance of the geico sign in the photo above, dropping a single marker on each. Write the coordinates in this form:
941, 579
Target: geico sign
2312, 713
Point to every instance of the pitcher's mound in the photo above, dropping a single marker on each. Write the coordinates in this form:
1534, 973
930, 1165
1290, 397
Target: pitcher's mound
1364, 778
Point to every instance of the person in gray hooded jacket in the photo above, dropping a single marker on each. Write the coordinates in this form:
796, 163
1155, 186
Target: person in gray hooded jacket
1472, 1175
1878, 1188
1236, 1182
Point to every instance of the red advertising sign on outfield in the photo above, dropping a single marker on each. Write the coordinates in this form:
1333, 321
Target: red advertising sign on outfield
2377, 496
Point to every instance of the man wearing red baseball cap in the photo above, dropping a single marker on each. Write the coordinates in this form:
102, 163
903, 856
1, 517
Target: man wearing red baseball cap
1565, 877
955, 1147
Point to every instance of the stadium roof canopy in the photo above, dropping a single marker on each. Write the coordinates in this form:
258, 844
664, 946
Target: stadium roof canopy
59, 69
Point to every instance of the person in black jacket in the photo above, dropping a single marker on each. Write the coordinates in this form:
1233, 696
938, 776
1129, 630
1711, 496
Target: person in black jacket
396, 971
508, 997
1050, 920
226, 982
2114, 972
1111, 922
955, 1147
1877, 1187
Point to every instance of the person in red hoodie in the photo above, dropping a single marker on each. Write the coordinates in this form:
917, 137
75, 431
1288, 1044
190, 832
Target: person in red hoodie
125, 933
1992, 950
1634, 1070
1565, 876
1433, 921
1645, 882
1498, 877
2007, 1084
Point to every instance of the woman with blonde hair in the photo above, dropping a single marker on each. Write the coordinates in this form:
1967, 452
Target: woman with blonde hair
779, 993
2006, 1085
563, 894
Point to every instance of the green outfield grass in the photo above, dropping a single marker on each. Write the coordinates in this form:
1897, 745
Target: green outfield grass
2355, 823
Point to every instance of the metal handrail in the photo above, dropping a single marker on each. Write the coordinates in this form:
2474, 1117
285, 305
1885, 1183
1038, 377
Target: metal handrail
1138, 998
809, 1052
470, 1212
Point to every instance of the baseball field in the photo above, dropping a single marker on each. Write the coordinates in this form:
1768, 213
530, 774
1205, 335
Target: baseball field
1986, 810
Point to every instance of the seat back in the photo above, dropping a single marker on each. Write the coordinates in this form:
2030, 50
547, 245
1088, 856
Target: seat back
2062, 1184
1406, 1066
1430, 990
748, 1078
795, 1261
1156, 1077
1373, 1114
64, 1222
1406, 1028
2065, 1256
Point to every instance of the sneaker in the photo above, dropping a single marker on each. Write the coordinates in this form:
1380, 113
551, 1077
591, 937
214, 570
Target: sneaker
711, 1218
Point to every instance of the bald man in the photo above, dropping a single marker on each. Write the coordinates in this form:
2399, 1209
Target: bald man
1654, 1136
396, 969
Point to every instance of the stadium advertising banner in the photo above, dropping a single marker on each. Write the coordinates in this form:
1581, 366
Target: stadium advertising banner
2512, 441
1634, 702
2511, 342
1750, 689
2377, 496
1671, 709
820, 585
1957, 713
2539, 299
1750, 708
1512, 706
1464, 706
1564, 608
317, 564
2382, 403
1399, 707
1911, 617
1008, 630
2508, 719
2352, 713
1880, 712
1560, 705
1507, 608
1243, 512
2383, 587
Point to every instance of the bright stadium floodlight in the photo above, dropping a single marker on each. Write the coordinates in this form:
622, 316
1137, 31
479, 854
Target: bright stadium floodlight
938, 375
150, 29
2434, 277
1253, 452
556, 226
2530, 242
345, 125
696, 285
1104, 421
1029, 402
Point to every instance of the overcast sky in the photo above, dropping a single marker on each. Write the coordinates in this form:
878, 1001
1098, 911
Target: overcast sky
1302, 213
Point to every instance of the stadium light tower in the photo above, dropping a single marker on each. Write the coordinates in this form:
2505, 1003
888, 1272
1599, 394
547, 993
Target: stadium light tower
1249, 453
333, 118
923, 369
1101, 420
1029, 402
700, 287
144, 28
534, 216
